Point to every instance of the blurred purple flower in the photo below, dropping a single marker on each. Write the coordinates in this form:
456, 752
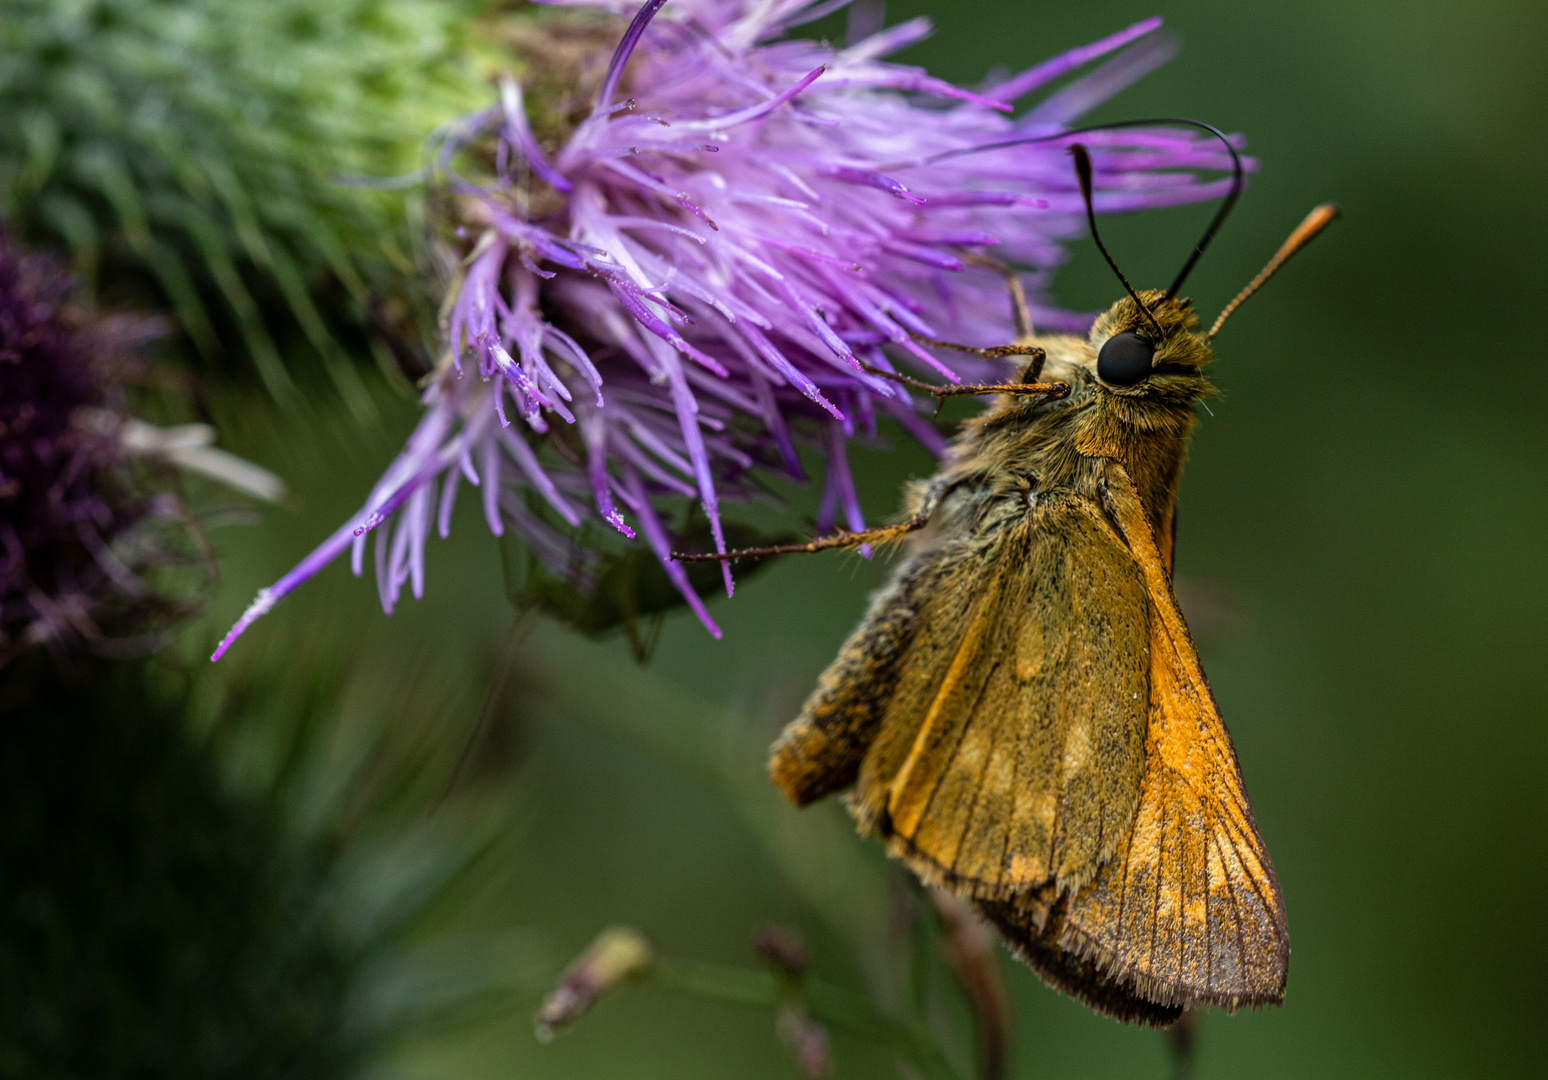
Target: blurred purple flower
684, 290
77, 532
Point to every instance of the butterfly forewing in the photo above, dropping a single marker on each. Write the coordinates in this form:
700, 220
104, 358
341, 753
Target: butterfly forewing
1002, 760
1190, 910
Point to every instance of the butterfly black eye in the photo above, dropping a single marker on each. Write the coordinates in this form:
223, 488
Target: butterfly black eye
1125, 359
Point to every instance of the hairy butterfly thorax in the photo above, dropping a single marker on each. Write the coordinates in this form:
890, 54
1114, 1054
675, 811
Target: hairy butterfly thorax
1021, 716
1131, 396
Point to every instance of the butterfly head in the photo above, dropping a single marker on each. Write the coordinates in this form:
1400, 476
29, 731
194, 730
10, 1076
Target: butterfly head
1147, 349
1148, 345
1154, 353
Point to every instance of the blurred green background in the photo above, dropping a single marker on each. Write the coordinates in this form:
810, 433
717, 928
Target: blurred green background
1367, 502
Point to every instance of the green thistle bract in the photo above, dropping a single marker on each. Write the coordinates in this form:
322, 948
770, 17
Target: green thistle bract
196, 147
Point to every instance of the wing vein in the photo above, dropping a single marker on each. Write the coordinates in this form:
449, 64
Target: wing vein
978, 786
1236, 914
1231, 833
1155, 900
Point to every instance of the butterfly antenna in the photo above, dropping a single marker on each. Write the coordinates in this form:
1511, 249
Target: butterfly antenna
1238, 181
1305, 233
1238, 174
1083, 174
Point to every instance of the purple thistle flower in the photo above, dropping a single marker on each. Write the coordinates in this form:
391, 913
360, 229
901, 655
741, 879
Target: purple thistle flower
686, 289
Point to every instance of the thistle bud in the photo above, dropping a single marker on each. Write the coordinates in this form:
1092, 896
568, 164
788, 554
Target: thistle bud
619, 953
78, 530
805, 1038
782, 949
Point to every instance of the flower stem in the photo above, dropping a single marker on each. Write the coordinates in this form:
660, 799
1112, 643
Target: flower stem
843, 1009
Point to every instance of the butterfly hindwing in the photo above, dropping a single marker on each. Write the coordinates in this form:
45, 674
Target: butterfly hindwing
820, 751
1034, 926
1012, 749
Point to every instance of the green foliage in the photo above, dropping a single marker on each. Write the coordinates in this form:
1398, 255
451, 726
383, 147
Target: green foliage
875, 925
236, 874
194, 147
143, 907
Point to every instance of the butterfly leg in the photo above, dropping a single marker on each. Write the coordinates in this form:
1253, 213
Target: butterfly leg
1029, 387
928, 501
837, 541
1021, 315
1021, 320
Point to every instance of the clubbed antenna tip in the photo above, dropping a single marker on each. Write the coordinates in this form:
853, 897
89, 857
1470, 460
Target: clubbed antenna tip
1319, 219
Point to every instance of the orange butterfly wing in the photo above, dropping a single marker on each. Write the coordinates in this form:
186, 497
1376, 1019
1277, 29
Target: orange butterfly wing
1189, 912
942, 697
1023, 758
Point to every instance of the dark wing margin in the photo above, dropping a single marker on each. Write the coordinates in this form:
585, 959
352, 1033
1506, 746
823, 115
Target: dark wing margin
1033, 928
